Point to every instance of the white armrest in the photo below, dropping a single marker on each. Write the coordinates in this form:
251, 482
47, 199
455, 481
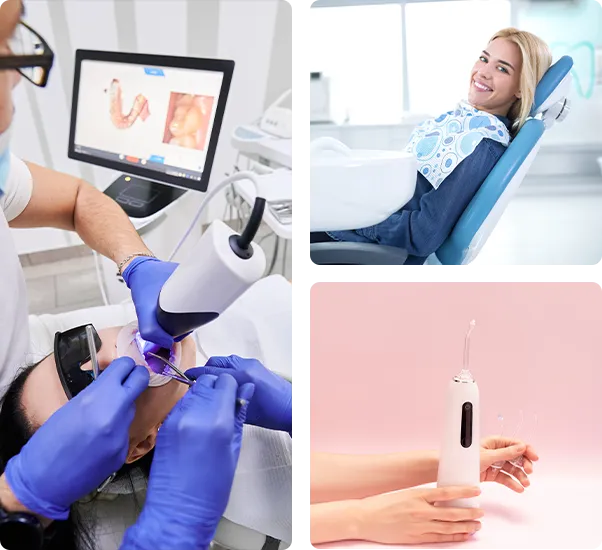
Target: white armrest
351, 189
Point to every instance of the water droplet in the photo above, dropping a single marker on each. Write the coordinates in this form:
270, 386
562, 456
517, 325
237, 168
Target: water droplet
500, 417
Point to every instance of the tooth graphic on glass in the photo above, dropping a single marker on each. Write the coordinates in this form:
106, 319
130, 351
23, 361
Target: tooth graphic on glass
584, 67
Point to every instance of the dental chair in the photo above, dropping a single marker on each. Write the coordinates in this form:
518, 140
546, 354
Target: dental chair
259, 325
470, 233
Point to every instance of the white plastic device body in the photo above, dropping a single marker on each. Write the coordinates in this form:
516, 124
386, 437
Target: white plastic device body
212, 278
459, 462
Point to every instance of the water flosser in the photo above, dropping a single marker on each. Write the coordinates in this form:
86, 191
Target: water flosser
459, 462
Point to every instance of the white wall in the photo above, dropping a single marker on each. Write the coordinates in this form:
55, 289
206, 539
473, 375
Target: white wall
242, 30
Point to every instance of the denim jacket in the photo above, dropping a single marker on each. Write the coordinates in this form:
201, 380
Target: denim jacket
423, 224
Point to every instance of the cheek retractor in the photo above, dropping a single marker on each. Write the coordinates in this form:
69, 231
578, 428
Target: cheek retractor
130, 344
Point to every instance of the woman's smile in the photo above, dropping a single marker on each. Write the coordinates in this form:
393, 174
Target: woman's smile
481, 86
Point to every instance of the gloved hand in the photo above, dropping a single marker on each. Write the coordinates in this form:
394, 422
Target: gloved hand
80, 445
193, 468
145, 277
272, 405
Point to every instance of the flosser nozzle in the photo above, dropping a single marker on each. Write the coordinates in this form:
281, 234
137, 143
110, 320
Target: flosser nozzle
465, 375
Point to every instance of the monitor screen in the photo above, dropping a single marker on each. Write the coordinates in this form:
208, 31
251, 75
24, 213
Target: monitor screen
153, 116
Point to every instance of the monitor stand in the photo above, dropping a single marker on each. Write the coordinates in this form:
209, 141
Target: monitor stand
141, 198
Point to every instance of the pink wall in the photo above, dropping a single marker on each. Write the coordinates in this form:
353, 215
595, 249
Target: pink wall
382, 354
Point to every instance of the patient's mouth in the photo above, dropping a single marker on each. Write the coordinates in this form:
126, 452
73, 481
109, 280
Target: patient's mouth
130, 343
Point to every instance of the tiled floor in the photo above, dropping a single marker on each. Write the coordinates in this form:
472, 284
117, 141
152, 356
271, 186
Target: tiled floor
65, 280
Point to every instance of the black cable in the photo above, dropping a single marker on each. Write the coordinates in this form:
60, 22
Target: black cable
249, 232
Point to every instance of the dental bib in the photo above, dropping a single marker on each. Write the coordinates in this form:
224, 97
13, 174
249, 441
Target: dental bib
440, 144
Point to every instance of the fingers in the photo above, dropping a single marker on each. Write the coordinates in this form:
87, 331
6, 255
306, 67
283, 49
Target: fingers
441, 494
196, 372
136, 382
224, 386
206, 381
246, 391
454, 527
228, 384
118, 370
436, 537
132, 378
151, 331
527, 465
508, 453
518, 473
505, 479
245, 394
531, 454
223, 362
440, 513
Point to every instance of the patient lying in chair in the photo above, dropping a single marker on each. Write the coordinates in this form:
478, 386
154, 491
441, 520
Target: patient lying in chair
457, 150
38, 391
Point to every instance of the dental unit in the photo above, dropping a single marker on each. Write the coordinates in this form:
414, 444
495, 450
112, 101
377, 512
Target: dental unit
460, 451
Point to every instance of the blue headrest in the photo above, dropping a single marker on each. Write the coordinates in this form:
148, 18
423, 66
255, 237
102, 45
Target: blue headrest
550, 81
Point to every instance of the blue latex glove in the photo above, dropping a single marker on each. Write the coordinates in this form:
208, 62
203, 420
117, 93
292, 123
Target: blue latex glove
272, 405
80, 445
193, 468
145, 277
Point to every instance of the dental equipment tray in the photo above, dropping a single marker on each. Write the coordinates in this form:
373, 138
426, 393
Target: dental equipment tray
282, 211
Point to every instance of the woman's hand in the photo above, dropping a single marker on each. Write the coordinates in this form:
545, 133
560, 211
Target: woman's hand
411, 516
495, 449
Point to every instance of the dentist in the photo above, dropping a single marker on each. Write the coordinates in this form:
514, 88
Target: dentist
91, 431
34, 196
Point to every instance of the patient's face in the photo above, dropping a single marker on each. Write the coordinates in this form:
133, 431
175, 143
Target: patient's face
495, 77
43, 394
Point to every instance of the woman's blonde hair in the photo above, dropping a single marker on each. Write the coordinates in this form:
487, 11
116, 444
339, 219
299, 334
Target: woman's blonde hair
537, 59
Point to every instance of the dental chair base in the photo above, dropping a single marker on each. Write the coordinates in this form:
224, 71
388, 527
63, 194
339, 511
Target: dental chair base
348, 253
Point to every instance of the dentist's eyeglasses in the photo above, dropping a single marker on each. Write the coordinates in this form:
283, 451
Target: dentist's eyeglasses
29, 54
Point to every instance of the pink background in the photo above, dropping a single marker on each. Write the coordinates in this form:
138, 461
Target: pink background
381, 358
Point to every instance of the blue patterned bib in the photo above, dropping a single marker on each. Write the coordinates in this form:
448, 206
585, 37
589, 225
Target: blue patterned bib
440, 144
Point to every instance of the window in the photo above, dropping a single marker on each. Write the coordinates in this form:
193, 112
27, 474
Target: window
359, 48
444, 39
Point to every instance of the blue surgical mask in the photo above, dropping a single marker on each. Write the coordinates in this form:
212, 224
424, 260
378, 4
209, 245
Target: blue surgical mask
4, 161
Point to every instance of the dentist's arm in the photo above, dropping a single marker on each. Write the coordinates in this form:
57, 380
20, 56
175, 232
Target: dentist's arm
343, 477
66, 202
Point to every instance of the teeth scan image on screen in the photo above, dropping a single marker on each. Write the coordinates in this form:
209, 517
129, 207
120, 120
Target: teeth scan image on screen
154, 117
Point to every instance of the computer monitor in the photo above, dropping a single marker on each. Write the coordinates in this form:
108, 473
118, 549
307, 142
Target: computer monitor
153, 116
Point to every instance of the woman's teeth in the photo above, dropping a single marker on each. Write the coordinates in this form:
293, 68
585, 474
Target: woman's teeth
481, 87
